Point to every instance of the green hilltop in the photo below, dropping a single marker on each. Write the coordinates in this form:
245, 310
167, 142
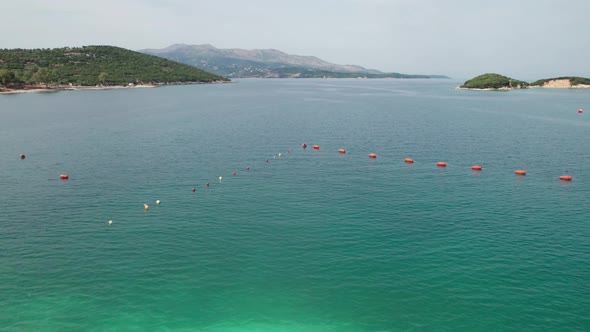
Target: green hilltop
93, 65
494, 81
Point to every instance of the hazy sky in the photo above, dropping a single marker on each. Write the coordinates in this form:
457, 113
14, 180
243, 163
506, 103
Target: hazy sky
526, 39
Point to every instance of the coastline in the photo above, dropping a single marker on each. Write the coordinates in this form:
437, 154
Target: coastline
36, 88
579, 86
488, 89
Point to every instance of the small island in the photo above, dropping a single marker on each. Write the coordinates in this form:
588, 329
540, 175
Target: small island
493, 81
91, 67
497, 82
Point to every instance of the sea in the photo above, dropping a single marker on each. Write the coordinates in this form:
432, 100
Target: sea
289, 239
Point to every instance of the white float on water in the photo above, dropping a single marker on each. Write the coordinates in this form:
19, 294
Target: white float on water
110, 222
158, 201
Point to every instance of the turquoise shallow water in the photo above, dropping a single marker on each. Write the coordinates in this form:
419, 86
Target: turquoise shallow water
310, 241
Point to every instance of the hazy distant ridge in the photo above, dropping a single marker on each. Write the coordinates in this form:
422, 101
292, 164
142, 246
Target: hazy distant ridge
208, 53
235, 62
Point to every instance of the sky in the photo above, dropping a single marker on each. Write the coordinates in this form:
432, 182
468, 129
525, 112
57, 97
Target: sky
523, 39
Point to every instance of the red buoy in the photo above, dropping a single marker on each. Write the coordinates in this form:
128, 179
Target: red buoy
64, 176
22, 156
372, 155
580, 111
304, 145
476, 167
566, 177
341, 151
234, 173
441, 164
520, 172
316, 147
207, 184
193, 190
248, 168
409, 160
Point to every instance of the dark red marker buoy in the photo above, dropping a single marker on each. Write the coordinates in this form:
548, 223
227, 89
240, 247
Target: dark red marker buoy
234, 173
304, 145
207, 184
193, 190
22, 156
248, 168
64, 176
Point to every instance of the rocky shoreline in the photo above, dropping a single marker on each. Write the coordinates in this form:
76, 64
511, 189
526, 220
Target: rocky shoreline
55, 88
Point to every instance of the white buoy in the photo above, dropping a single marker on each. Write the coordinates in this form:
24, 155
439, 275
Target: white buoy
280, 155
220, 178
158, 201
145, 206
110, 222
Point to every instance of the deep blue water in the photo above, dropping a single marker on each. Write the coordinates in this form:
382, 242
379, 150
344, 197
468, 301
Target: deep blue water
311, 240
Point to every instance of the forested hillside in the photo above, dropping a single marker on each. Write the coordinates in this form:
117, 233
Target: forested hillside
93, 65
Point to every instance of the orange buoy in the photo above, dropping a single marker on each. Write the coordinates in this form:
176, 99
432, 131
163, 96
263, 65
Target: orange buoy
341, 151
64, 176
441, 164
520, 172
566, 177
409, 160
316, 147
476, 167
372, 155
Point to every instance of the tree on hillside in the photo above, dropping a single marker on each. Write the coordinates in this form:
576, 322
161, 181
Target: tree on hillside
102, 78
43, 75
6, 77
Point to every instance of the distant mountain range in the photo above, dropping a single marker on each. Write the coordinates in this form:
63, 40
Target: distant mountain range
267, 63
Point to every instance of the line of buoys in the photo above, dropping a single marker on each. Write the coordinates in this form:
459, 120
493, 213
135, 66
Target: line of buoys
341, 151
476, 167
409, 160
22, 156
566, 178
520, 172
441, 164
316, 147
64, 176
372, 155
